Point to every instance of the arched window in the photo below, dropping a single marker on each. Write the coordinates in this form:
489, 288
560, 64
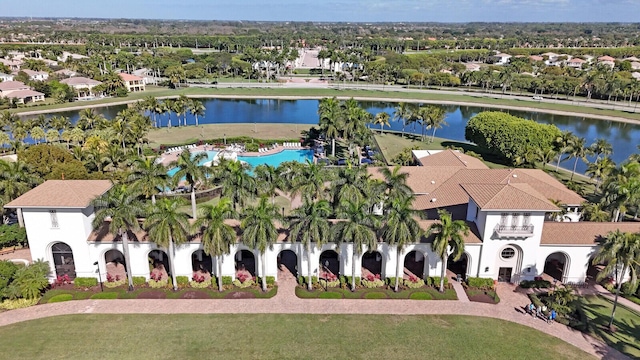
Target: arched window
63, 260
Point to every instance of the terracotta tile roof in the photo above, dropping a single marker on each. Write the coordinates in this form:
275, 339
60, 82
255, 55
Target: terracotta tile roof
12, 85
80, 81
507, 197
546, 185
129, 77
452, 158
472, 238
582, 232
421, 180
62, 194
21, 94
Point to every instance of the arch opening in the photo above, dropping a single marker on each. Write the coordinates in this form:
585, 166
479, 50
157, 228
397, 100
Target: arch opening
245, 263
329, 264
63, 260
288, 260
159, 265
556, 266
415, 264
116, 265
371, 264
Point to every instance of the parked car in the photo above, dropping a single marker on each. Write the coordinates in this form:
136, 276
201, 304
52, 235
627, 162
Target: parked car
537, 97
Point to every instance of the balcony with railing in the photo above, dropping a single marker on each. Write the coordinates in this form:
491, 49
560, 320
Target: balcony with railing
514, 231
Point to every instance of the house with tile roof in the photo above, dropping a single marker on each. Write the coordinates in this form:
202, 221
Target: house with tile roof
523, 224
19, 91
83, 87
133, 83
36, 75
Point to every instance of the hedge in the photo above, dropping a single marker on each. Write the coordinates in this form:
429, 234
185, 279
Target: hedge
61, 298
536, 284
139, 280
478, 282
182, 280
227, 280
84, 282
435, 281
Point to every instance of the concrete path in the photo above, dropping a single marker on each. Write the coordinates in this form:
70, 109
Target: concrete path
462, 295
285, 302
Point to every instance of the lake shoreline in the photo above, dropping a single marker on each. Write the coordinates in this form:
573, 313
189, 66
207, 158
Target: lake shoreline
358, 98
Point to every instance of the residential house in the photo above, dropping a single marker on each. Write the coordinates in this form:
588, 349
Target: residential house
472, 66
635, 65
133, 83
12, 64
19, 91
83, 87
607, 60
36, 75
6, 77
575, 63
500, 59
66, 73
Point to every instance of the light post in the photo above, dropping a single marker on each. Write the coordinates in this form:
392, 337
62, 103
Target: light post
326, 278
283, 211
99, 276
225, 138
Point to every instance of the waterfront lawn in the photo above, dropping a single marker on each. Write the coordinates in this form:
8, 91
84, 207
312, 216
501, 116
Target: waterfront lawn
626, 321
279, 336
424, 293
192, 133
230, 292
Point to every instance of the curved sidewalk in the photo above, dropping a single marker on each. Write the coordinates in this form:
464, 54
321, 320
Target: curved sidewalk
285, 302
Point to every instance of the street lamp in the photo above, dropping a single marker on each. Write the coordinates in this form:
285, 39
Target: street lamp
225, 138
326, 278
99, 276
283, 211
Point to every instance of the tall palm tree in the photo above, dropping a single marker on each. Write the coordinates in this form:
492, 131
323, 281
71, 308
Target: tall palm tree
122, 206
350, 185
621, 252
601, 147
600, 170
563, 144
189, 168
197, 109
236, 182
358, 228
217, 235
396, 182
578, 151
168, 227
330, 113
259, 230
449, 236
400, 227
382, 119
436, 119
310, 182
16, 179
309, 223
402, 112
268, 181
149, 177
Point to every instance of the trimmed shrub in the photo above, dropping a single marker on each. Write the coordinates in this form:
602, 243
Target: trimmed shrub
435, 281
420, 296
227, 280
214, 282
536, 284
139, 280
348, 280
247, 283
331, 283
182, 280
482, 283
330, 295
105, 296
18, 303
202, 284
628, 288
84, 282
157, 284
300, 280
61, 298
414, 284
115, 283
375, 295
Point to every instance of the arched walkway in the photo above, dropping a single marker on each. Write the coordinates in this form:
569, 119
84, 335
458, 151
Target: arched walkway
414, 264
159, 264
556, 265
459, 267
287, 259
245, 263
115, 264
201, 263
63, 260
329, 263
371, 263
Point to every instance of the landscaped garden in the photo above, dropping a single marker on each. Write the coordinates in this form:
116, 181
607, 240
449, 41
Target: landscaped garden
269, 336
481, 290
374, 288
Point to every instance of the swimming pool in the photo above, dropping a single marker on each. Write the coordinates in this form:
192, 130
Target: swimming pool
273, 159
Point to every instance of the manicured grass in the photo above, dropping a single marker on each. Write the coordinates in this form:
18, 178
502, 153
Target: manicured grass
627, 323
191, 134
273, 336
58, 295
267, 90
424, 293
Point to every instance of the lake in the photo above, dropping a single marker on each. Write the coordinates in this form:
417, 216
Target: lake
623, 137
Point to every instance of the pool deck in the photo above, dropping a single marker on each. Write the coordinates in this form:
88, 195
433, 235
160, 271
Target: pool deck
167, 158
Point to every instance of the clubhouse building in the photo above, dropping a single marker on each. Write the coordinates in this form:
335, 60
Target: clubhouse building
517, 231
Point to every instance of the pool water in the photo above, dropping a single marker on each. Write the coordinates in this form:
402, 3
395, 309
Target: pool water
274, 159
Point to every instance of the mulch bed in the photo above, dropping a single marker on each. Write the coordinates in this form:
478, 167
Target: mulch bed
483, 298
194, 295
240, 295
152, 295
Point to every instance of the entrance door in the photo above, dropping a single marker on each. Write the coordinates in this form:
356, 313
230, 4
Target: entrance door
504, 274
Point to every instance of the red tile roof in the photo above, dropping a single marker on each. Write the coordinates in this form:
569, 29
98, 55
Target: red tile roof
582, 232
129, 77
507, 197
62, 194
452, 158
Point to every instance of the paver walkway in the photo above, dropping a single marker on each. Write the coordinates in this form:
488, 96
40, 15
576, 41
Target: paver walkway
510, 308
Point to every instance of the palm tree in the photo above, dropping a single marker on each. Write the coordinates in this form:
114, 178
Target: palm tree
600, 170
358, 228
16, 179
449, 236
197, 109
350, 185
236, 182
620, 251
259, 230
309, 223
122, 206
400, 227
330, 121
168, 227
578, 151
189, 168
382, 119
217, 236
396, 182
88, 119
268, 181
310, 182
436, 119
563, 144
402, 112
601, 147
148, 177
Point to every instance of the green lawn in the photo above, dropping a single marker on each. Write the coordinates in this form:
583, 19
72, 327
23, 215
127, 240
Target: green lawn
627, 322
272, 336
318, 93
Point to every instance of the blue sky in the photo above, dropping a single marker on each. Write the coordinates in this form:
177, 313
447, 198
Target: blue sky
337, 10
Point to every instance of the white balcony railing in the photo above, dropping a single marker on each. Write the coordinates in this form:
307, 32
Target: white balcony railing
523, 231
